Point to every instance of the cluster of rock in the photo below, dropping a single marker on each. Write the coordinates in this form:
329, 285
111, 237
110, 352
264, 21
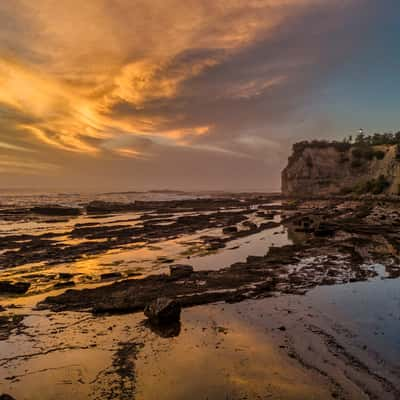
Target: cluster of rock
334, 237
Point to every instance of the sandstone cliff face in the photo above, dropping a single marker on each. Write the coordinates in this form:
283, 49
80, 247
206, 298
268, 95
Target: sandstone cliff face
334, 170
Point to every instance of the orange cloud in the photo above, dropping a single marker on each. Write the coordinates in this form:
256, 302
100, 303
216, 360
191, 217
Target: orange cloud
73, 65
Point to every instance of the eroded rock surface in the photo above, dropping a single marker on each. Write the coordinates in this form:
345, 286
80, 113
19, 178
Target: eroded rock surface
321, 168
335, 242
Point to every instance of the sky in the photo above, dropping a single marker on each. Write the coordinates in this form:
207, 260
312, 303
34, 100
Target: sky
119, 95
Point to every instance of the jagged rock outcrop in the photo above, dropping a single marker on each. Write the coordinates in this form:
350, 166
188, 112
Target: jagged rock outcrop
321, 168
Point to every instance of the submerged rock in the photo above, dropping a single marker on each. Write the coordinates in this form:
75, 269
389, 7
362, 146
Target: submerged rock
14, 288
163, 311
178, 271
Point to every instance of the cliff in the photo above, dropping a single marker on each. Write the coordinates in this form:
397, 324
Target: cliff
326, 168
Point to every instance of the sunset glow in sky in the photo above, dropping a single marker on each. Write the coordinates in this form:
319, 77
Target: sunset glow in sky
196, 94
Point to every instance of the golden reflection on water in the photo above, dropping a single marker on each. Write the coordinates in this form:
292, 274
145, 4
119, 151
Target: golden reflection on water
232, 361
219, 354
141, 259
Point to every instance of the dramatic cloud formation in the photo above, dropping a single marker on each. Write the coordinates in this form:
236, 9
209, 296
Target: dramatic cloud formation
138, 94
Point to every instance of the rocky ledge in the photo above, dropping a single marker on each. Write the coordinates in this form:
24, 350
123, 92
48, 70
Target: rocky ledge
334, 242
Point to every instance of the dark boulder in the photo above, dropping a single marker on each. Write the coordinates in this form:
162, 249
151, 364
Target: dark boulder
14, 288
163, 311
179, 271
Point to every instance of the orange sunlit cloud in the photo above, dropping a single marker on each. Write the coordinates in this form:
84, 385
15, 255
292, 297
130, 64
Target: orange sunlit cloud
95, 55
131, 79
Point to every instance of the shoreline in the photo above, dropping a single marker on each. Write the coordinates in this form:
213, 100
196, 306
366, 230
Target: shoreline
310, 247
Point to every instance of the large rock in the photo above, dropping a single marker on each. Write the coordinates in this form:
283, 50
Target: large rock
7, 287
55, 210
163, 311
179, 271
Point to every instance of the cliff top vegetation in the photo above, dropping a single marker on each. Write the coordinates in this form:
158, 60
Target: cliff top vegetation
359, 143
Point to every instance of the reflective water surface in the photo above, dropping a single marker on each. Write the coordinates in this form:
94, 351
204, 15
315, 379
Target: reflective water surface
283, 347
